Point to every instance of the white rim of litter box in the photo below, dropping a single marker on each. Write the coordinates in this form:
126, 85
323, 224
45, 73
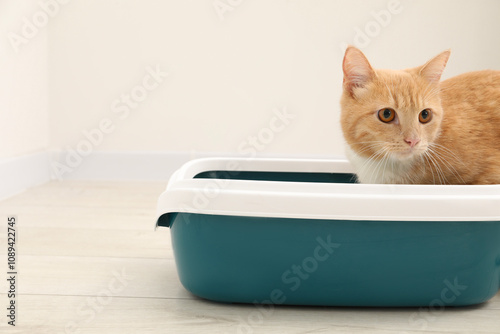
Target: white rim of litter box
311, 200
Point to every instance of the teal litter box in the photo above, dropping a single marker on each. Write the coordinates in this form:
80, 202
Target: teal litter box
303, 232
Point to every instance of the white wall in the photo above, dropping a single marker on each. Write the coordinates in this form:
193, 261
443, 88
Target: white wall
23, 82
226, 72
227, 75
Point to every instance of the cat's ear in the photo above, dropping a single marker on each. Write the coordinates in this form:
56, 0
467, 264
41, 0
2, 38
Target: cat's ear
433, 69
357, 70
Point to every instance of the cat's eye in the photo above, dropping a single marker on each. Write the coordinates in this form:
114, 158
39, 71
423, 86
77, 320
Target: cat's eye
425, 116
386, 115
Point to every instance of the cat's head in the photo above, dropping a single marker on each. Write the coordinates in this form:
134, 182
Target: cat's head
395, 113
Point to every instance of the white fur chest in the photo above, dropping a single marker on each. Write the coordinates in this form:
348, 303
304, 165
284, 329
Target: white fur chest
382, 170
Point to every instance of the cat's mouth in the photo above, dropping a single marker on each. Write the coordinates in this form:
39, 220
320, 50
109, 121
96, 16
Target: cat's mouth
409, 152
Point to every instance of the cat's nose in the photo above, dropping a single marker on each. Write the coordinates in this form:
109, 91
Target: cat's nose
412, 141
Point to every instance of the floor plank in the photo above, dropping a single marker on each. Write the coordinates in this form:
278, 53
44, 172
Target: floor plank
90, 205
52, 314
90, 262
93, 242
90, 276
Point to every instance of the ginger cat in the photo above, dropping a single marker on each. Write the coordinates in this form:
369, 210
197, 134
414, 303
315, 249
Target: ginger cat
405, 126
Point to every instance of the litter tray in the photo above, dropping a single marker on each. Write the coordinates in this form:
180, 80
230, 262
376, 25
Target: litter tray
303, 232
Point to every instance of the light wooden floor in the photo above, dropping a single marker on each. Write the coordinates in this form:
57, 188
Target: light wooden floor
91, 262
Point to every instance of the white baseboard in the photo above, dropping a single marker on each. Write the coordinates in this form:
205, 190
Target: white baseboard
20, 173
150, 166
128, 165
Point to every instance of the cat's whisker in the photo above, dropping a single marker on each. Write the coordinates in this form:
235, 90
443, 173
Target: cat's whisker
450, 152
388, 156
372, 162
367, 149
445, 162
374, 146
435, 168
429, 153
423, 163
368, 143
439, 169
379, 163
425, 157
383, 163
